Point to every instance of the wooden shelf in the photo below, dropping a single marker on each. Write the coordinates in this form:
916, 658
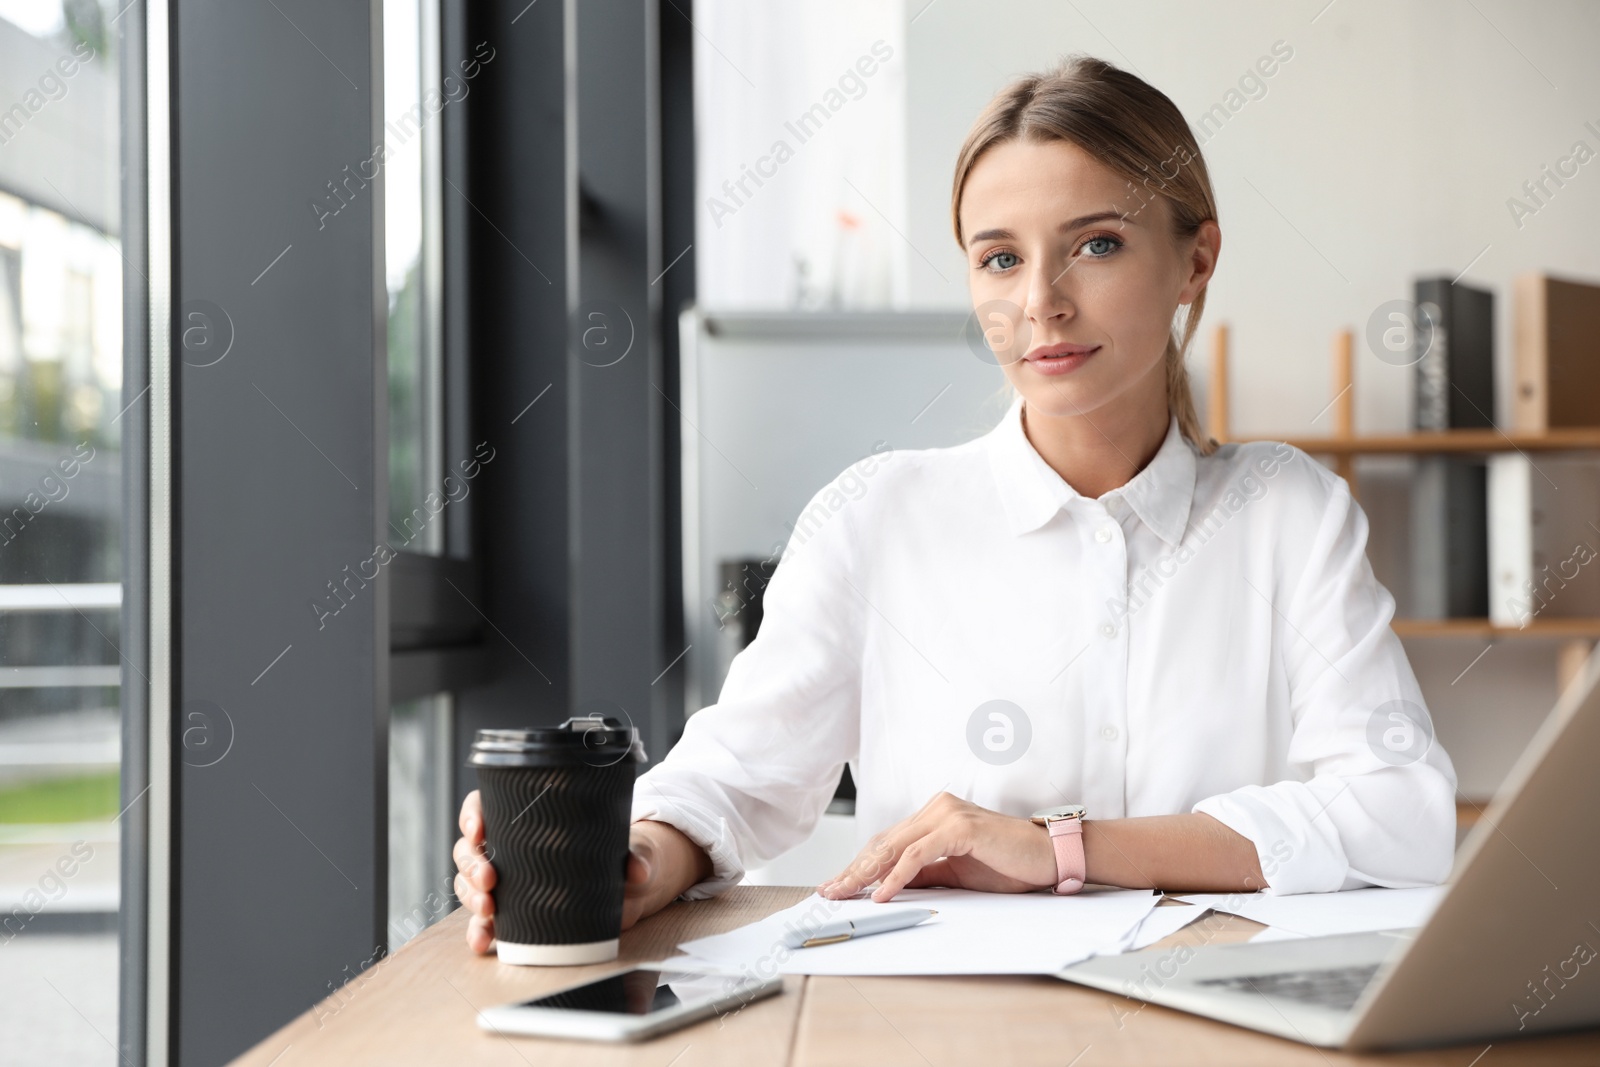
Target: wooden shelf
1438, 441
1576, 636
1344, 443
1557, 629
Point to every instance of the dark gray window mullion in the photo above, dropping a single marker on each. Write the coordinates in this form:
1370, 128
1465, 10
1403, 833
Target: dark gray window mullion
677, 291
512, 211
455, 51
616, 442
282, 623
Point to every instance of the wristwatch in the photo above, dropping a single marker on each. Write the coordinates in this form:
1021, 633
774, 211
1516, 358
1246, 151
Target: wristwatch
1065, 824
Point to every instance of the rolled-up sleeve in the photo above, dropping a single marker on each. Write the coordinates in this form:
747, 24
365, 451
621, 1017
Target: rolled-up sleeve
1375, 803
752, 773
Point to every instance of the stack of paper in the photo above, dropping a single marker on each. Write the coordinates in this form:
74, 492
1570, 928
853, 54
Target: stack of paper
1160, 923
1030, 933
974, 933
1316, 914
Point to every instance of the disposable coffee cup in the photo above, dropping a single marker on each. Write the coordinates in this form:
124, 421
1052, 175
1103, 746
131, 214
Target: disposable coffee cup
557, 802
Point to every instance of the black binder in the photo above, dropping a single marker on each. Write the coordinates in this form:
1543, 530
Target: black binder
1454, 390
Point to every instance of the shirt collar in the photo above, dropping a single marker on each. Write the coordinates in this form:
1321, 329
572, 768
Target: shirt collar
1031, 491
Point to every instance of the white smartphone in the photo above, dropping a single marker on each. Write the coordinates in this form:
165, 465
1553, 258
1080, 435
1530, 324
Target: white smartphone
629, 1005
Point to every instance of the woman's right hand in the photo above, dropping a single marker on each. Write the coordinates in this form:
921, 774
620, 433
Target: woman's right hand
662, 863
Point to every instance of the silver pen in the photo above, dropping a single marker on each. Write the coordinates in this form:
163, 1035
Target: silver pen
845, 929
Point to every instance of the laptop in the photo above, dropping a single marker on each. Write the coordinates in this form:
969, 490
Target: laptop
1513, 947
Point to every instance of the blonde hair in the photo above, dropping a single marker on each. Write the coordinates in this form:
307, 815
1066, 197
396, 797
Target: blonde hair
1136, 131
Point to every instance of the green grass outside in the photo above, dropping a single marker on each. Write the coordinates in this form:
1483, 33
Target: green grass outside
82, 798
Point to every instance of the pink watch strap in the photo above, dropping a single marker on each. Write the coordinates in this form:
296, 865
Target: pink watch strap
1066, 835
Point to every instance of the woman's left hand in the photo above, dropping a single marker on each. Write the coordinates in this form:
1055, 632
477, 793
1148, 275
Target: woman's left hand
952, 842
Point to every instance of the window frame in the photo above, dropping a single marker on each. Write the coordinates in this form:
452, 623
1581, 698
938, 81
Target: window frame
206, 585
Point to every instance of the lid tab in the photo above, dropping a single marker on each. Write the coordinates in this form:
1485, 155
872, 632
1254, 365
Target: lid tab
597, 740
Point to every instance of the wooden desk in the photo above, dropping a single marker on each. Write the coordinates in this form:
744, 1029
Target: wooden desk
418, 1007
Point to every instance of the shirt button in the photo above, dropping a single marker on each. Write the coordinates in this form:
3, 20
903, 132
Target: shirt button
1103, 534
1108, 629
1108, 732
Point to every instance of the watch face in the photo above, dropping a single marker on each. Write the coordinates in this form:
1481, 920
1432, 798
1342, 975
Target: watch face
1060, 811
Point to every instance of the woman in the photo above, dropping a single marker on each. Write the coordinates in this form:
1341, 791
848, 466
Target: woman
1092, 604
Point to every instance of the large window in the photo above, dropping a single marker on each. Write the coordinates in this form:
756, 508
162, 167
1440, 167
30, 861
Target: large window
60, 523
421, 779
421, 796
412, 105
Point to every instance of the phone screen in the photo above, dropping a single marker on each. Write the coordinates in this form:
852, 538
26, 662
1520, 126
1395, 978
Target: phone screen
636, 992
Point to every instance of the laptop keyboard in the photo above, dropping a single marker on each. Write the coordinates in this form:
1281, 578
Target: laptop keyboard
1334, 987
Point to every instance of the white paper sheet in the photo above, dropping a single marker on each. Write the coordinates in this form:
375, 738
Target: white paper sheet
1317, 914
974, 933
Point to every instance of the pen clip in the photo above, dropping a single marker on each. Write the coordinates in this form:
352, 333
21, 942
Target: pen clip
811, 942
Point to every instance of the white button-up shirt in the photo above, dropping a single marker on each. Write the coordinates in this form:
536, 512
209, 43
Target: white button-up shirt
1207, 637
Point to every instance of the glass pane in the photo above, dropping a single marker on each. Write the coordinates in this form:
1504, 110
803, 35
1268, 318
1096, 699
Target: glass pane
60, 525
411, 217
421, 817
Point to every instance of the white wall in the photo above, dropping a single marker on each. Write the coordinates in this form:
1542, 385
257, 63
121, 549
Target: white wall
794, 213
1387, 146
